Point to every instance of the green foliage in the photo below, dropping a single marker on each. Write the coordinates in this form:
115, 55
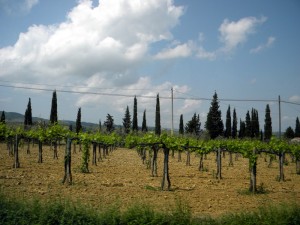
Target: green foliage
2, 119
22, 211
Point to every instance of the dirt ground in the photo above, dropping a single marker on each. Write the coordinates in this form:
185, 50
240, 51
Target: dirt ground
123, 179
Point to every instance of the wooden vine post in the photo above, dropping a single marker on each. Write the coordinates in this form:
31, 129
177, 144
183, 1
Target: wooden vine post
68, 175
16, 153
219, 164
253, 167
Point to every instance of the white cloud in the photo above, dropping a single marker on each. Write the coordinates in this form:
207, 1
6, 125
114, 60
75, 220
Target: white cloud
28, 4
295, 98
16, 7
261, 47
253, 81
111, 40
203, 54
180, 51
234, 33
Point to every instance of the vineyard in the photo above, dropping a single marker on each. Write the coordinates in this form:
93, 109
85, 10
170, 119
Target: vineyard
212, 176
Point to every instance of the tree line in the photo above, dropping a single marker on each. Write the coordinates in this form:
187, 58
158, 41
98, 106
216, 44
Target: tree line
248, 128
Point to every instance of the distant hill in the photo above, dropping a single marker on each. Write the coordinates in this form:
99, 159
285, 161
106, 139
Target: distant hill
18, 118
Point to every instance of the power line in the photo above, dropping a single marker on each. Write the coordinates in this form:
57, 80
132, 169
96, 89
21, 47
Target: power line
145, 96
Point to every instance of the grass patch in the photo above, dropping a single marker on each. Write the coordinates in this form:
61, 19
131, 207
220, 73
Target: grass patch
16, 211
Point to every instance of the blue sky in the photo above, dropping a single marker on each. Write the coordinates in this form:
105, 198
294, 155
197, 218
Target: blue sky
243, 50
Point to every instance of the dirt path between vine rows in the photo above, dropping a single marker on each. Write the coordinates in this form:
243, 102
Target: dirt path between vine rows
123, 179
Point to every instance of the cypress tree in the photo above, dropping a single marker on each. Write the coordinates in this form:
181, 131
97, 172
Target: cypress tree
242, 131
2, 120
109, 123
297, 128
193, 126
28, 114
289, 133
234, 125
157, 117
181, 129
127, 121
53, 114
254, 124
248, 129
214, 123
134, 119
78, 121
144, 124
268, 123
100, 126
228, 123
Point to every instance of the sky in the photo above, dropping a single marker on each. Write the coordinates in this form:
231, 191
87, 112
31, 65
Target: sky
98, 55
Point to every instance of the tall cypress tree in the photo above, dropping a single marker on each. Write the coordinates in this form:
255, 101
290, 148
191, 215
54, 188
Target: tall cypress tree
242, 131
268, 123
227, 133
100, 126
28, 114
134, 119
2, 119
181, 128
234, 124
78, 121
144, 124
109, 123
157, 117
127, 121
248, 129
53, 114
214, 123
297, 128
255, 132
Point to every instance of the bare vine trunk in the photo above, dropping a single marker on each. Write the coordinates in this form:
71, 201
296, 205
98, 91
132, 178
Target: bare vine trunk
253, 170
281, 162
201, 167
94, 161
166, 170
99, 151
68, 176
40, 160
55, 155
219, 164
154, 162
298, 166
188, 157
230, 159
